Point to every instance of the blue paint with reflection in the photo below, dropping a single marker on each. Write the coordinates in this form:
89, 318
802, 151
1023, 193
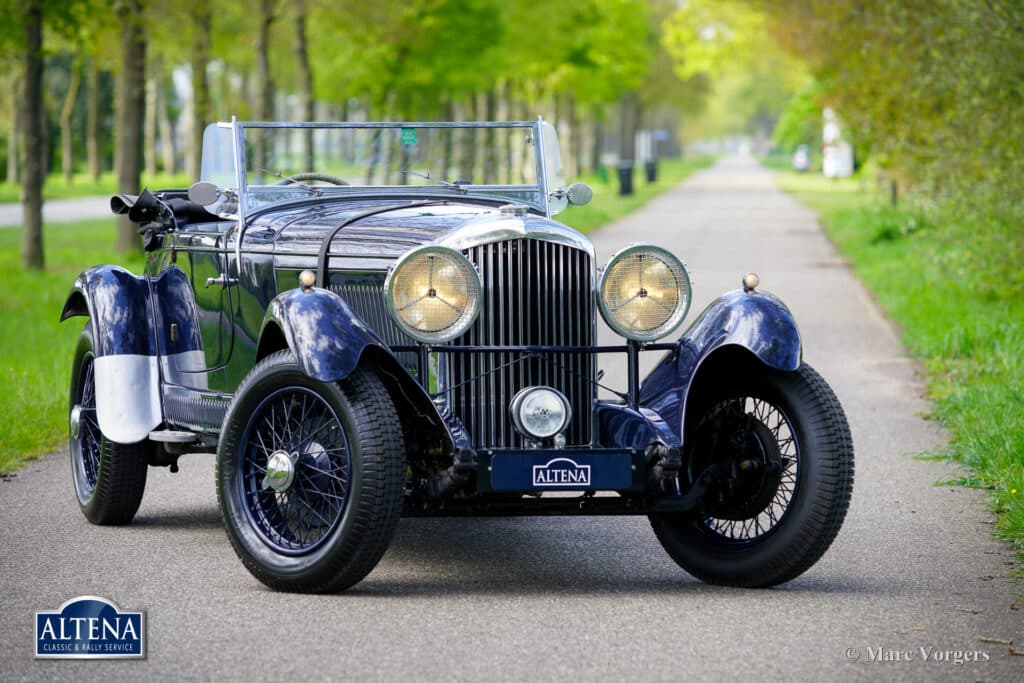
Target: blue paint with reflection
758, 322
326, 336
620, 426
121, 311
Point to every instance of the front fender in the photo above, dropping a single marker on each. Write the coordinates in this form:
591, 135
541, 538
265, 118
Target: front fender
326, 337
758, 322
126, 367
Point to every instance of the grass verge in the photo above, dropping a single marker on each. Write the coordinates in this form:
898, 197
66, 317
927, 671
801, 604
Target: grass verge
955, 286
82, 185
35, 349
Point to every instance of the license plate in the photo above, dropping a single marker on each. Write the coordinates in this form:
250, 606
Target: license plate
562, 471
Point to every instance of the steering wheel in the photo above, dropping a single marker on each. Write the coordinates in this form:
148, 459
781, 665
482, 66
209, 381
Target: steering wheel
322, 177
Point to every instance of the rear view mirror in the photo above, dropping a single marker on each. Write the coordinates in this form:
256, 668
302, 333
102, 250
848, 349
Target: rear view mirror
579, 194
203, 193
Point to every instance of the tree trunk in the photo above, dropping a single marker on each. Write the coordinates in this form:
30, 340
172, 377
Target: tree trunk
595, 154
32, 124
305, 79
131, 93
14, 135
68, 108
153, 83
165, 131
92, 120
627, 125
467, 140
264, 105
200, 86
490, 140
446, 136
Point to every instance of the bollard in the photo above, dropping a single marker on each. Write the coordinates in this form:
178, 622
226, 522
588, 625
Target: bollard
625, 169
651, 167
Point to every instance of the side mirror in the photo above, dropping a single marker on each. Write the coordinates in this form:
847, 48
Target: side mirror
579, 194
203, 194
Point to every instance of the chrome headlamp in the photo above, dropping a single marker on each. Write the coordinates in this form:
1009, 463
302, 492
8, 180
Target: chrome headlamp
644, 292
540, 412
433, 294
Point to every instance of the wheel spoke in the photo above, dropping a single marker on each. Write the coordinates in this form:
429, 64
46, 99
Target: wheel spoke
757, 524
297, 518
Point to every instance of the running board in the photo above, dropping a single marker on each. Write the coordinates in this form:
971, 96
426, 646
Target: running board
173, 436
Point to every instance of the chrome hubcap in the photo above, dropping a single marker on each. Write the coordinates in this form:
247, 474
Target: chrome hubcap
280, 471
75, 421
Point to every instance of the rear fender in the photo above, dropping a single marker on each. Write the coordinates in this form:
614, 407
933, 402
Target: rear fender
758, 325
126, 366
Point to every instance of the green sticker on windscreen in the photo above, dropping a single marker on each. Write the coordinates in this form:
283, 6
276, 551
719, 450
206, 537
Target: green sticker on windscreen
408, 136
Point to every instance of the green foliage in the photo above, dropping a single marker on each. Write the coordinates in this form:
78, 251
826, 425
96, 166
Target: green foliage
727, 45
961, 309
35, 349
933, 89
801, 120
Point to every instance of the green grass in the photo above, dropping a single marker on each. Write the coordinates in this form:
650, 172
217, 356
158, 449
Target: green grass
608, 206
955, 286
82, 185
35, 349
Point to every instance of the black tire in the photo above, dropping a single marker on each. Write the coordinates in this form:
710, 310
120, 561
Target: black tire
330, 524
769, 527
109, 477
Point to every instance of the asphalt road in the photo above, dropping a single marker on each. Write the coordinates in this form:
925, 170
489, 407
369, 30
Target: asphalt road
58, 210
569, 598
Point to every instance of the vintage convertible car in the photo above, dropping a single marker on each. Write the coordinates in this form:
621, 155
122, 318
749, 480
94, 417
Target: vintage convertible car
371, 320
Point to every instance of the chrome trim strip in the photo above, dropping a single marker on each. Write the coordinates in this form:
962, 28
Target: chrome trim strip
383, 124
489, 228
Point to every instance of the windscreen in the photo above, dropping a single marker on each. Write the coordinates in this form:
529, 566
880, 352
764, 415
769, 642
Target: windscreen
285, 163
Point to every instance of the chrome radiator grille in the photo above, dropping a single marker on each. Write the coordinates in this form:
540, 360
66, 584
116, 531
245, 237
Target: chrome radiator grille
535, 293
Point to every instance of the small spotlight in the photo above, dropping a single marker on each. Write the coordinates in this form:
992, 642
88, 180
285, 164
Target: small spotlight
750, 282
307, 279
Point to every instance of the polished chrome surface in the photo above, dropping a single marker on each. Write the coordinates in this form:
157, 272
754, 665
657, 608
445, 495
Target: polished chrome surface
579, 194
516, 409
75, 421
203, 193
488, 228
127, 396
684, 285
172, 436
535, 293
280, 471
466, 317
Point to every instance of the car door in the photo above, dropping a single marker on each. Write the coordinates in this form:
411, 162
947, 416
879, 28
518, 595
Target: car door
195, 308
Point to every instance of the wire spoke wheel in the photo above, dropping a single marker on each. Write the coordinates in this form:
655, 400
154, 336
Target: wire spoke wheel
780, 447
109, 477
756, 500
297, 432
87, 444
310, 475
